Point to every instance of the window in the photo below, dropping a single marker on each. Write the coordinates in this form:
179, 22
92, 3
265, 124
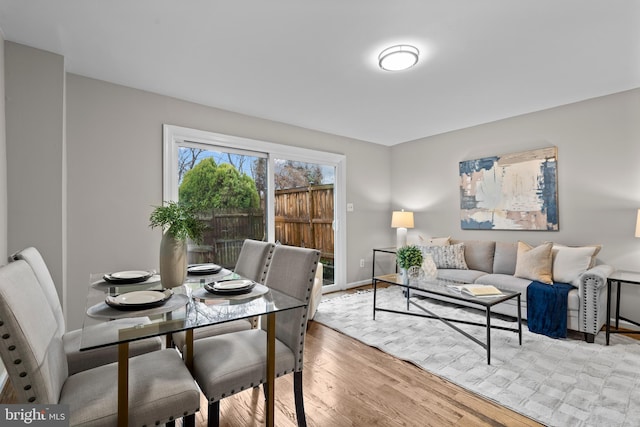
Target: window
301, 195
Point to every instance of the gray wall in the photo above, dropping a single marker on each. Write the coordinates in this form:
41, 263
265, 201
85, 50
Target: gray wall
598, 177
114, 143
3, 162
34, 88
3, 178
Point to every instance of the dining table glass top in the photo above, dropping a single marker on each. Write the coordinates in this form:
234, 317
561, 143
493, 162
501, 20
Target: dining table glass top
185, 307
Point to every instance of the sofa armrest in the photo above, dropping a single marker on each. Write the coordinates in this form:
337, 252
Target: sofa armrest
593, 298
596, 276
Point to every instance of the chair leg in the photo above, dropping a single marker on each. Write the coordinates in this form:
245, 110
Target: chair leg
213, 414
189, 421
297, 391
171, 424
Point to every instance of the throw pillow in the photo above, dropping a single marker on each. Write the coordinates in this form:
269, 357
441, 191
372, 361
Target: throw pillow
596, 250
570, 262
535, 263
435, 241
448, 256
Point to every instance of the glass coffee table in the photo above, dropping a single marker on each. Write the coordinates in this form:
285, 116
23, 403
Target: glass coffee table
444, 288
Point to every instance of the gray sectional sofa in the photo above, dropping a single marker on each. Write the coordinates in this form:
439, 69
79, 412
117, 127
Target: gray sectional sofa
494, 263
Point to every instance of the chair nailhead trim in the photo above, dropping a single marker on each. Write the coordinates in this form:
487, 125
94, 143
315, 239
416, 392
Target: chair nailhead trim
27, 387
23, 374
6, 336
32, 399
12, 347
17, 361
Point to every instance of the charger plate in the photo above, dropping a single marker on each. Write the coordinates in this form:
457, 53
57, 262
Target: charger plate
103, 311
202, 294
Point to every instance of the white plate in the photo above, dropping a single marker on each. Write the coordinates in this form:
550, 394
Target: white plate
126, 275
231, 285
203, 268
140, 297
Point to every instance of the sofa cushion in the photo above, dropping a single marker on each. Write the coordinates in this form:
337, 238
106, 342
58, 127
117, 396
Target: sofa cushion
570, 262
504, 260
573, 300
465, 276
478, 254
449, 256
535, 263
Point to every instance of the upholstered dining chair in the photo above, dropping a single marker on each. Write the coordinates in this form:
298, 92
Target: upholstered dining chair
227, 364
81, 360
161, 388
253, 262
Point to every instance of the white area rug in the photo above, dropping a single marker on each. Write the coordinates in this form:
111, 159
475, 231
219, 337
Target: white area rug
566, 382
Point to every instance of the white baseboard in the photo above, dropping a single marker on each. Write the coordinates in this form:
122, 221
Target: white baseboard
357, 284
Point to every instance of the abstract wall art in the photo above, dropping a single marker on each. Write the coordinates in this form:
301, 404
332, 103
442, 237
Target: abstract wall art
515, 191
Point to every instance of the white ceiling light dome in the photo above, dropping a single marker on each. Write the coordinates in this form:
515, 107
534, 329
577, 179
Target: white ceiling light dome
399, 57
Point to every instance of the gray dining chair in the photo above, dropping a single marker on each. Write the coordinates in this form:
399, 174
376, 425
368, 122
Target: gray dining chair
227, 364
161, 389
82, 360
253, 263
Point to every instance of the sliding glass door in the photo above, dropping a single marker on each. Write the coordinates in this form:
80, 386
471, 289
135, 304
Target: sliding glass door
258, 190
304, 209
230, 188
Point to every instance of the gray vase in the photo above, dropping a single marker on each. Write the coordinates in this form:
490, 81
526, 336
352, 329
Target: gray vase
404, 276
173, 261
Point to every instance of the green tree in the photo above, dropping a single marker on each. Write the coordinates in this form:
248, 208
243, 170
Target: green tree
218, 186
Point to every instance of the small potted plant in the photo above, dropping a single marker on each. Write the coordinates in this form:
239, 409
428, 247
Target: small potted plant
408, 257
179, 222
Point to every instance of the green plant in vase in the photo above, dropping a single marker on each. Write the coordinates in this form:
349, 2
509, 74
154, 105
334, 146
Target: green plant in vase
408, 257
179, 222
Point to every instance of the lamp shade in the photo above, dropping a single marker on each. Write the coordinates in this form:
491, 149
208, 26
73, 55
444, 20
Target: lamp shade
638, 224
402, 219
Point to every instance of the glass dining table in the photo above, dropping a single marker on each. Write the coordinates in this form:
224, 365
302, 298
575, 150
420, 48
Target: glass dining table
184, 308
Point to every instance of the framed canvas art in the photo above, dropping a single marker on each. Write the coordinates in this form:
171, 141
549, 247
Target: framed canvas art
515, 191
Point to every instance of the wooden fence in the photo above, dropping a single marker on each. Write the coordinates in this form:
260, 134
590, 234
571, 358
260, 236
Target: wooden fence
303, 218
226, 231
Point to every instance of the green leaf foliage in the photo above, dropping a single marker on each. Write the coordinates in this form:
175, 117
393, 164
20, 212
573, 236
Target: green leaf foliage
218, 186
179, 219
409, 256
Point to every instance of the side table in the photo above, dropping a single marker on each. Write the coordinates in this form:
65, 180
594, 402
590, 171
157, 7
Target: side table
620, 277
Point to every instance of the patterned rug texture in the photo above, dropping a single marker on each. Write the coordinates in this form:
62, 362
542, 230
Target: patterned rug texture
557, 382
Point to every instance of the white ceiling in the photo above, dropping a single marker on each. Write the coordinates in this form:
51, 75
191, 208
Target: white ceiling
313, 63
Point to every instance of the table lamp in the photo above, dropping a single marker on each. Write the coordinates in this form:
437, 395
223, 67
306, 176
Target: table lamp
401, 220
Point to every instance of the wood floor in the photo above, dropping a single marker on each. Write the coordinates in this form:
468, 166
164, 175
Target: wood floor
347, 383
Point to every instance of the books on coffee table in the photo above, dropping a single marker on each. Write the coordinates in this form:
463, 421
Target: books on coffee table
477, 290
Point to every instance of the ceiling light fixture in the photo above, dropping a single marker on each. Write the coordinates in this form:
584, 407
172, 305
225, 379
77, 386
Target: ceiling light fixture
398, 58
